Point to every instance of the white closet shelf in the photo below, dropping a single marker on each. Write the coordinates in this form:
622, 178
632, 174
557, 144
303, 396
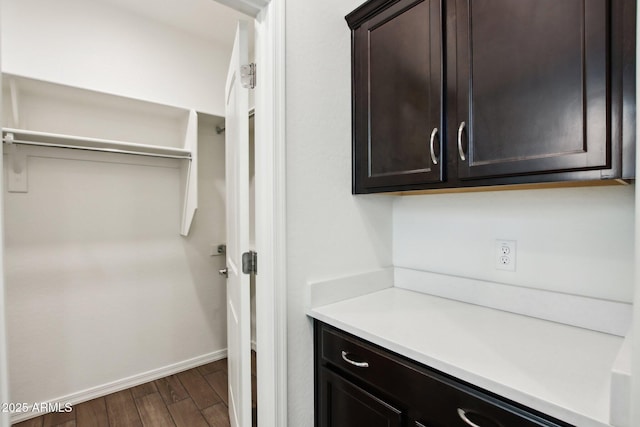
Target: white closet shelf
46, 139
48, 114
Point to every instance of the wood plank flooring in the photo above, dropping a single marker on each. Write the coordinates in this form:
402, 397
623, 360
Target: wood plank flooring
194, 398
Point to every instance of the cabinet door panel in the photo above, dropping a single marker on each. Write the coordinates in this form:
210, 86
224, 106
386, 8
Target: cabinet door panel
398, 96
346, 405
532, 86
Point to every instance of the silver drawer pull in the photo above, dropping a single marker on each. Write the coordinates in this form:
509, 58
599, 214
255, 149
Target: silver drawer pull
463, 415
354, 363
434, 158
460, 150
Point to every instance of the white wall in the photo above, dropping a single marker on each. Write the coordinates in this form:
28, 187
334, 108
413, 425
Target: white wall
573, 240
97, 46
100, 286
635, 352
569, 240
329, 232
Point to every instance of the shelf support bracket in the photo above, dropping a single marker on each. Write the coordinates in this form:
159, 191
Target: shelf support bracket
190, 173
15, 103
17, 172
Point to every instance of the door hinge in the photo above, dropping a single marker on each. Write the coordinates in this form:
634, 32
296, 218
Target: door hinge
250, 262
248, 76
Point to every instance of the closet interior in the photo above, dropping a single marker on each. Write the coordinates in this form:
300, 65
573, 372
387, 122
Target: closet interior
114, 198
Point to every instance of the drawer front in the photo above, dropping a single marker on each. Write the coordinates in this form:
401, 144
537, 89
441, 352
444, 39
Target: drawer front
370, 365
433, 399
452, 406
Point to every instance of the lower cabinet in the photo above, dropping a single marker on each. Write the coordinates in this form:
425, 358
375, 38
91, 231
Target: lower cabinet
345, 404
359, 384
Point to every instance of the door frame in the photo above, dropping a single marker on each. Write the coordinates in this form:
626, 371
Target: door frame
634, 416
4, 365
271, 289
270, 205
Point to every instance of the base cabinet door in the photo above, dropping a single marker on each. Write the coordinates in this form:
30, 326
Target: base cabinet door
344, 404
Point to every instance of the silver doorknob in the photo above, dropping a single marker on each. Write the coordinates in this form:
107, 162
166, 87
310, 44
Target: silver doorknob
224, 272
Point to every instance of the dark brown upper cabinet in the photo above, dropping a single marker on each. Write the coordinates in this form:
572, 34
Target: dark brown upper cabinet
532, 86
398, 95
465, 93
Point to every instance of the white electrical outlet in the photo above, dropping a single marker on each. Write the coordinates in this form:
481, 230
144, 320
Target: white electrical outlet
505, 255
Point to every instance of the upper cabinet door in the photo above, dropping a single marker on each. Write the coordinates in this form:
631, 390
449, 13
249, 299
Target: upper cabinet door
532, 87
397, 83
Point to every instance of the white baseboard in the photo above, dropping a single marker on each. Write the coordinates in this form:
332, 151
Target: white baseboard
122, 384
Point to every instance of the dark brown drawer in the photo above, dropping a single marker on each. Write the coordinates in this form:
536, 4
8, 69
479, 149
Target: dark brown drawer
451, 404
428, 397
382, 370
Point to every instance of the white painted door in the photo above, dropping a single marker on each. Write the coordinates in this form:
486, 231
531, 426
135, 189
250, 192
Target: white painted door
237, 189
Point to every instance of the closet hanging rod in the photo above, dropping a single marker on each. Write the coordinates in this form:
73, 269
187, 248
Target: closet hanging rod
11, 136
219, 130
102, 150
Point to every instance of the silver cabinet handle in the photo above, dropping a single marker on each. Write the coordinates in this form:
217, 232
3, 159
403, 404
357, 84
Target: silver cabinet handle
224, 272
354, 363
460, 150
434, 158
463, 415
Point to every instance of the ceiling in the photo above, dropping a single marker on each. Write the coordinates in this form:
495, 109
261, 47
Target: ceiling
204, 18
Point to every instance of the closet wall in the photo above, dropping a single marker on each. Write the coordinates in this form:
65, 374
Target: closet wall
98, 46
100, 285
102, 291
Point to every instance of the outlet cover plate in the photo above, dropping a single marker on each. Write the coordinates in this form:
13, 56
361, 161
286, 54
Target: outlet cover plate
505, 255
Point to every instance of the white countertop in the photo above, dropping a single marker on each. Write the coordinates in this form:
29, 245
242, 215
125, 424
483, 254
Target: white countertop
560, 370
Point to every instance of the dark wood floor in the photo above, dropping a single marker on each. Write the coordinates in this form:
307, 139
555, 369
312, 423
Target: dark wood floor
194, 398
